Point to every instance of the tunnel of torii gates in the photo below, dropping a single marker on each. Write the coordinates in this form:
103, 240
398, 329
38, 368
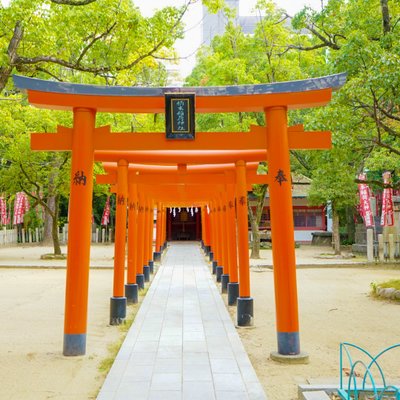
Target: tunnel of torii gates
212, 171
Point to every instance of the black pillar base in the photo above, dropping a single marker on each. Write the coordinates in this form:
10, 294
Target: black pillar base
146, 273
211, 255
132, 293
151, 265
288, 343
140, 280
233, 293
74, 344
245, 313
157, 256
117, 310
224, 283
218, 272
214, 267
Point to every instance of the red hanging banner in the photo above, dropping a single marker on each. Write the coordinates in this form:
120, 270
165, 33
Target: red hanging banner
105, 219
365, 206
21, 206
387, 218
3, 211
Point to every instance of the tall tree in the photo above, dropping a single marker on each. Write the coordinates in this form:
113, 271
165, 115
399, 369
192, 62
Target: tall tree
75, 41
41, 38
41, 175
234, 58
362, 39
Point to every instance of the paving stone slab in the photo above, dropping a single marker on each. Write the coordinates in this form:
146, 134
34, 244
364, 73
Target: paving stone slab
182, 344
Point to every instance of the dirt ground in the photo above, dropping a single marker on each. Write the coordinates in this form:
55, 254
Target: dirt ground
334, 307
31, 333
333, 302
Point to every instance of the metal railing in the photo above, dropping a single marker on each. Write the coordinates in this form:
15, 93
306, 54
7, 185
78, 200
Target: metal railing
369, 384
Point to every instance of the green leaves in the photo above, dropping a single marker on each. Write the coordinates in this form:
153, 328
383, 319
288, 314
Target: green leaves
214, 5
364, 116
104, 47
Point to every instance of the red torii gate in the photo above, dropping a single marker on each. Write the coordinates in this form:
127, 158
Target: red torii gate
84, 138
174, 185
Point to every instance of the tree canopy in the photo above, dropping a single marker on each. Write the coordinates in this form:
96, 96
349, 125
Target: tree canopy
74, 41
85, 44
362, 39
353, 36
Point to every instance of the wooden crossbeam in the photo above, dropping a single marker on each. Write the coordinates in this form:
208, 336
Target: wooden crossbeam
105, 140
299, 139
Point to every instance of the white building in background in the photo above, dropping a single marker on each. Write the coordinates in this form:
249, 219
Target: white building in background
205, 29
307, 219
174, 75
214, 24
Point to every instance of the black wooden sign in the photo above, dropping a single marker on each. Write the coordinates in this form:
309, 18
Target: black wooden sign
179, 115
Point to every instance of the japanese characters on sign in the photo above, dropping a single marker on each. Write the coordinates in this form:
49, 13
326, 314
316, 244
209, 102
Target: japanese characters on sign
179, 115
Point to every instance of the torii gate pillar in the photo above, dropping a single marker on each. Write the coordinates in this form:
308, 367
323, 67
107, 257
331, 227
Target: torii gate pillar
245, 306
131, 287
79, 235
157, 252
282, 231
118, 300
233, 285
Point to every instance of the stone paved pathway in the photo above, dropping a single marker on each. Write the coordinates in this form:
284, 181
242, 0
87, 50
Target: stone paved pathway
182, 344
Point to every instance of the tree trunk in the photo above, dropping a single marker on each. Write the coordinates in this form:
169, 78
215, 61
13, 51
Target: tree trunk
48, 221
255, 222
54, 230
335, 231
351, 225
240, 115
255, 243
5, 72
385, 16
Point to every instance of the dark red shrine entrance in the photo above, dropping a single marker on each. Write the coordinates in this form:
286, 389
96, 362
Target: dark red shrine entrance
183, 224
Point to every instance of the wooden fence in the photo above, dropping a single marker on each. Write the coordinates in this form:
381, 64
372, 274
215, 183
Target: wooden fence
20, 235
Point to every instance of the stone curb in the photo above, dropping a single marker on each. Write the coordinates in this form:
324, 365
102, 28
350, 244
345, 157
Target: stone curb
388, 293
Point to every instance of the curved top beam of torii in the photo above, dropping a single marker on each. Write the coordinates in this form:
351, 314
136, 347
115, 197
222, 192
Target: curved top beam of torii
213, 99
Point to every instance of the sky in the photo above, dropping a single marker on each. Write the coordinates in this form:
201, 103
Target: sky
187, 47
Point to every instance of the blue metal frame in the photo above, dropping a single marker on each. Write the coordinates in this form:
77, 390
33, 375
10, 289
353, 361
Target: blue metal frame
352, 390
